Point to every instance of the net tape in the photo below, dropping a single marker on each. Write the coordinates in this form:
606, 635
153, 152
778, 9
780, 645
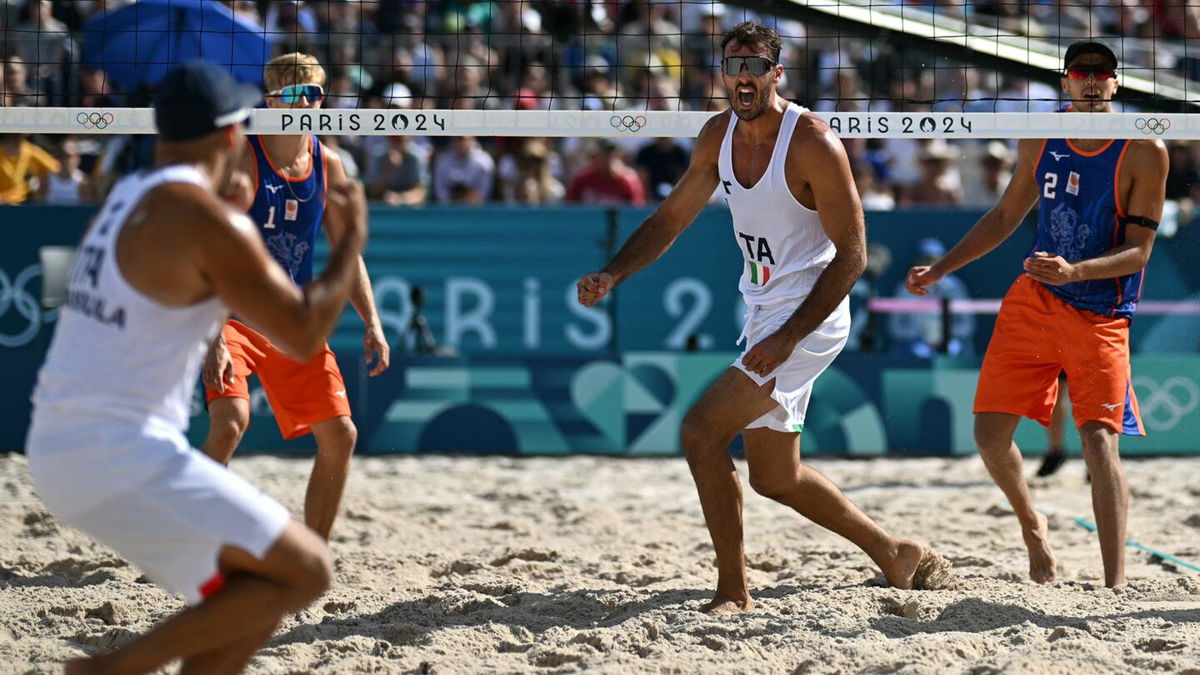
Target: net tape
616, 124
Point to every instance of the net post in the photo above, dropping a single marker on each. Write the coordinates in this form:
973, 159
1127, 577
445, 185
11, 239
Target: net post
612, 233
947, 318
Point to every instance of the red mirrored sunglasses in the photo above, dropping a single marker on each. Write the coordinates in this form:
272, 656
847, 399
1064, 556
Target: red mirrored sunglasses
1082, 72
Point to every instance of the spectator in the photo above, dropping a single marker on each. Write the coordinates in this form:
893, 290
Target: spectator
463, 173
651, 33
533, 93
343, 93
660, 165
44, 43
874, 196
23, 167
607, 179
94, 91
984, 191
599, 92
939, 185
400, 175
69, 185
16, 82
920, 333
246, 10
536, 183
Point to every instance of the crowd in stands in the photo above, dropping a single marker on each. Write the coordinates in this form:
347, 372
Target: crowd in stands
560, 54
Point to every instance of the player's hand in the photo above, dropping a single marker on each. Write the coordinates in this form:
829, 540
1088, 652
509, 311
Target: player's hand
376, 349
238, 191
218, 367
593, 287
1049, 269
770, 353
920, 278
346, 209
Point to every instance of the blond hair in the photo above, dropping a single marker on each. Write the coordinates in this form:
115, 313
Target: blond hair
294, 68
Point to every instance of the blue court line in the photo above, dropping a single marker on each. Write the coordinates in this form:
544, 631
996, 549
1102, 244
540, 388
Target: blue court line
1091, 527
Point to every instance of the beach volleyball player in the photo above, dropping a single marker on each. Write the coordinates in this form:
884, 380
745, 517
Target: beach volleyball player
1099, 202
289, 175
799, 225
157, 272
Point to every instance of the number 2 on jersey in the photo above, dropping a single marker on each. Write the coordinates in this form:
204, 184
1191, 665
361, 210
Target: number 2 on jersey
1047, 189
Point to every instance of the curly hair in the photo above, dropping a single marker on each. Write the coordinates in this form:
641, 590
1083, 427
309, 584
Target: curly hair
754, 34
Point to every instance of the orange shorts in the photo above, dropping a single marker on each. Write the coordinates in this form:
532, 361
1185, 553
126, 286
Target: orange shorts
301, 394
1037, 336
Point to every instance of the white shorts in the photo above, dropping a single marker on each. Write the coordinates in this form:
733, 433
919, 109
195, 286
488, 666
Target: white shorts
173, 526
794, 378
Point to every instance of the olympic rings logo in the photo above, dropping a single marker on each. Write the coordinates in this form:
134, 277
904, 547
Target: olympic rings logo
1152, 125
1164, 406
15, 295
95, 120
627, 123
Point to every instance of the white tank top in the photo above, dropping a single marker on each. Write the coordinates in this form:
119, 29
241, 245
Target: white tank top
116, 354
782, 242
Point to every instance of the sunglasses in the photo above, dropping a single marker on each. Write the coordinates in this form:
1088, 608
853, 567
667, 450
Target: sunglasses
1082, 72
757, 66
292, 93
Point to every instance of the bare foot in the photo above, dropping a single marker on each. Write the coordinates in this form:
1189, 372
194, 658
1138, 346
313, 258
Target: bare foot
1043, 568
916, 567
721, 605
899, 573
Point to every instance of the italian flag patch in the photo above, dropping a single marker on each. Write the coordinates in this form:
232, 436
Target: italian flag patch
760, 274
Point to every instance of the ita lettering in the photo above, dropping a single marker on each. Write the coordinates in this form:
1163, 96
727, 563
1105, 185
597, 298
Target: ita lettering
757, 248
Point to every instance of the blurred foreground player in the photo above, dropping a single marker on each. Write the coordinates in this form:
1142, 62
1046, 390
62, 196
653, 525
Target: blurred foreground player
157, 273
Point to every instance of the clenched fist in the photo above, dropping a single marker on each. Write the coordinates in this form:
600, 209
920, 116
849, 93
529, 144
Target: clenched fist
593, 287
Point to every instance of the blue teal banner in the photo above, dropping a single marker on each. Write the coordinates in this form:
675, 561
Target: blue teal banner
524, 368
864, 405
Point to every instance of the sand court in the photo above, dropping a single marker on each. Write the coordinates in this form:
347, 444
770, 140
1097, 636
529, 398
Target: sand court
453, 564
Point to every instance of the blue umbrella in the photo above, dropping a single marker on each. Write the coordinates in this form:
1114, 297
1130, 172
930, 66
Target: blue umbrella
137, 44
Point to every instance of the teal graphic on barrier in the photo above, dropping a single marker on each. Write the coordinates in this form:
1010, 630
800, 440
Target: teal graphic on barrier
633, 404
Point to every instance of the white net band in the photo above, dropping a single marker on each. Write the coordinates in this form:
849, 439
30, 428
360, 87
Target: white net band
573, 123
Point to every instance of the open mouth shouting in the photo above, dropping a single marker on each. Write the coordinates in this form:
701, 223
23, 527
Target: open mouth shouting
745, 97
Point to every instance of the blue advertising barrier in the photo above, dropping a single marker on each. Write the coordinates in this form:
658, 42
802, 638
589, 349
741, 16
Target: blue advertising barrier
499, 287
632, 404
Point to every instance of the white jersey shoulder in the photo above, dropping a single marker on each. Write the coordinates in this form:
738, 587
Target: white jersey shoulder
783, 243
117, 353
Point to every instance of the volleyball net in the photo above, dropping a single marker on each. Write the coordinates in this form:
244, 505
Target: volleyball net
876, 69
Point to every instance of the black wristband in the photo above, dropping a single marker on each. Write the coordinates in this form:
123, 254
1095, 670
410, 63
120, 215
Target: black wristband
1143, 221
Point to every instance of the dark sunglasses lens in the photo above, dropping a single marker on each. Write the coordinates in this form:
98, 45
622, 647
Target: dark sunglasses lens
755, 65
313, 93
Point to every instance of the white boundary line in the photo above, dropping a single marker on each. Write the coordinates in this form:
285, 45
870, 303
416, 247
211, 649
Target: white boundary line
616, 124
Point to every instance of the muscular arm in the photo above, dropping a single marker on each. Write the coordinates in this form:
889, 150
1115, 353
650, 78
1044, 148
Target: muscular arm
1147, 165
361, 296
819, 159
678, 210
375, 346
1002, 220
231, 257
993, 228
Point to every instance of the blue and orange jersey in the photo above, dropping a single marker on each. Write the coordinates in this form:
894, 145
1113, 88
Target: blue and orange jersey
288, 211
1080, 216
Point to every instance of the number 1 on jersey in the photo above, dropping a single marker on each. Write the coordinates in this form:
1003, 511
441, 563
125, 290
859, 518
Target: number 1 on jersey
270, 224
